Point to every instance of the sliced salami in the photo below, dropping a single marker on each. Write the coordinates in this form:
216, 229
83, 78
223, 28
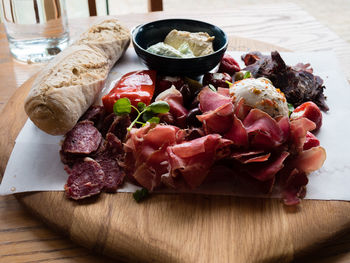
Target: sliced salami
109, 160
95, 114
84, 138
85, 179
119, 126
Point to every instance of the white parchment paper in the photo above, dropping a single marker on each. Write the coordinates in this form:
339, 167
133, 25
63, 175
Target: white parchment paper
35, 163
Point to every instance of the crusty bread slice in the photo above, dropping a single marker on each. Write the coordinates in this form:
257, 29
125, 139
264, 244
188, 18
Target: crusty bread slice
108, 38
72, 81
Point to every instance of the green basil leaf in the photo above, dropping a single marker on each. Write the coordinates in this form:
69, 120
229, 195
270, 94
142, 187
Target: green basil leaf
212, 87
290, 108
159, 107
147, 115
247, 75
122, 106
141, 106
140, 195
153, 120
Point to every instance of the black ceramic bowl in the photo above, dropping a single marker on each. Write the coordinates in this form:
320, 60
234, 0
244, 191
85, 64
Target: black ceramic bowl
146, 35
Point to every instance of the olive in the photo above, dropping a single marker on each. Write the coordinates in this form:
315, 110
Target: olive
239, 75
192, 120
186, 94
165, 82
217, 79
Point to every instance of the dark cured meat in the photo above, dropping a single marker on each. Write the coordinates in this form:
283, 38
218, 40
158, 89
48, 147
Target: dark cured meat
119, 126
297, 83
84, 147
95, 114
84, 138
85, 179
193, 159
109, 160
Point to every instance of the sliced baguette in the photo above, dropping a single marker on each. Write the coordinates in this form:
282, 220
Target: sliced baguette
72, 81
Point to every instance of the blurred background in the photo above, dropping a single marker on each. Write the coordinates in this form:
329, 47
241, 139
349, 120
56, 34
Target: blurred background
335, 14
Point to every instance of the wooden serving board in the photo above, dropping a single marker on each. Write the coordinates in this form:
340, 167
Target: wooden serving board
186, 228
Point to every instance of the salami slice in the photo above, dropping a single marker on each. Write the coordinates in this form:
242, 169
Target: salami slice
95, 114
85, 179
109, 160
84, 138
119, 126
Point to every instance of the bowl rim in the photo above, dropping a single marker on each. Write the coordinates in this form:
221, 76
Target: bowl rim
135, 30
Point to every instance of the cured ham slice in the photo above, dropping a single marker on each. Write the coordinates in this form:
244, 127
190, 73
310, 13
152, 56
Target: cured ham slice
310, 141
241, 110
294, 188
147, 159
310, 160
263, 131
210, 100
298, 131
224, 92
175, 100
193, 159
219, 120
237, 133
267, 170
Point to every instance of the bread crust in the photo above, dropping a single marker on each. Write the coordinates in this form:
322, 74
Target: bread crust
72, 81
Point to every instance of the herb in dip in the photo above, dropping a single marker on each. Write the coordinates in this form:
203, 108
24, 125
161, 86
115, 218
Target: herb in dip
183, 44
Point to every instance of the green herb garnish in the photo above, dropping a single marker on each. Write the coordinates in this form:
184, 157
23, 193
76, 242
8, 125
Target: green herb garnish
159, 107
123, 106
229, 83
140, 194
290, 108
247, 75
212, 87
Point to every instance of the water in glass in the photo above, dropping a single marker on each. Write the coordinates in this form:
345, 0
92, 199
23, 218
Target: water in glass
36, 29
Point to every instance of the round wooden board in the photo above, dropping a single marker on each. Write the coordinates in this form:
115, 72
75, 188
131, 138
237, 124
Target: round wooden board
185, 228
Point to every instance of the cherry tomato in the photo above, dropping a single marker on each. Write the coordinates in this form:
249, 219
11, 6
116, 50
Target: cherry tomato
310, 111
137, 86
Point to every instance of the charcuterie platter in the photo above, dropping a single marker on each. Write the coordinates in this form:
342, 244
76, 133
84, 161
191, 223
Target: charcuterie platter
186, 227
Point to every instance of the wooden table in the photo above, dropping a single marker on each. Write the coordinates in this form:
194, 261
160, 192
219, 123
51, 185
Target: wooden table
23, 238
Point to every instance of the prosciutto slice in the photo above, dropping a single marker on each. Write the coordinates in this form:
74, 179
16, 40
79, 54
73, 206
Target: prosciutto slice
298, 132
294, 188
218, 121
310, 160
267, 170
146, 156
237, 133
192, 159
263, 131
210, 100
175, 100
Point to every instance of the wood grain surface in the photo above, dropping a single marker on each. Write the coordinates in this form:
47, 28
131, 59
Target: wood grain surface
183, 228
25, 239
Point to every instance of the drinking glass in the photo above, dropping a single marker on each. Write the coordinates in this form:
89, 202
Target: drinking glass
36, 30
